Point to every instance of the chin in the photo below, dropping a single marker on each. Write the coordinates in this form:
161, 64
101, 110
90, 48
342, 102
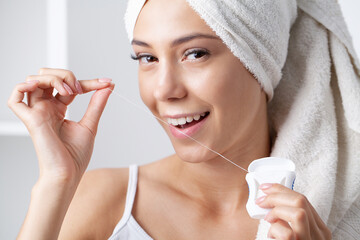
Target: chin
193, 154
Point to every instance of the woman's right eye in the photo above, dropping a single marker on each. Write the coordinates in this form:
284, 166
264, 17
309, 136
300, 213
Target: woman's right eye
144, 58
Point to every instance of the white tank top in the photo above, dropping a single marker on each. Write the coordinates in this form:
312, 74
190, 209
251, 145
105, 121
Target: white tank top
127, 228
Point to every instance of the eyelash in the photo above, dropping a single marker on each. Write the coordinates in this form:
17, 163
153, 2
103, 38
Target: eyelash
140, 56
187, 53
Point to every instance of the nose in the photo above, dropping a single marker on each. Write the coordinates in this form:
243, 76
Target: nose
169, 84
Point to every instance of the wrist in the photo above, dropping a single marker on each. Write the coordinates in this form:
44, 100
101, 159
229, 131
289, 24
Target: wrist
63, 185
50, 199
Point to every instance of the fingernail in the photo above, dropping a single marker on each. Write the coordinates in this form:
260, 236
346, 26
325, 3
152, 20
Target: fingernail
78, 87
265, 186
269, 219
260, 199
32, 81
105, 80
68, 89
266, 218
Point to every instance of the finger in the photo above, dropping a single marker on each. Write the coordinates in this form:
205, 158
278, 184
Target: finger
86, 86
38, 93
96, 108
34, 96
66, 75
292, 199
318, 224
281, 230
269, 188
95, 84
296, 216
15, 101
66, 100
46, 93
47, 82
278, 194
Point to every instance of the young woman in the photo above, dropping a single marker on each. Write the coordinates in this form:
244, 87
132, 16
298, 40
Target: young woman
189, 78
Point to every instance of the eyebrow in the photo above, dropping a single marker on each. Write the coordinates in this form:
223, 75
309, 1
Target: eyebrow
178, 41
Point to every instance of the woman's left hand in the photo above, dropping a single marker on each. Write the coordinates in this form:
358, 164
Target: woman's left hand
292, 216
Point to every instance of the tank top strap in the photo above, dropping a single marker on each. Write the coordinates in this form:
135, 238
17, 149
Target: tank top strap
130, 196
131, 190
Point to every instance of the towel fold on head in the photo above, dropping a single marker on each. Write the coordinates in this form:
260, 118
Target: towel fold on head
302, 55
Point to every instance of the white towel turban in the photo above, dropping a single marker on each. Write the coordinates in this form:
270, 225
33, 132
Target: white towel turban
302, 55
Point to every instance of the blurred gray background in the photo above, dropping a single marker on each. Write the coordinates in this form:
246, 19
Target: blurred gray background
96, 45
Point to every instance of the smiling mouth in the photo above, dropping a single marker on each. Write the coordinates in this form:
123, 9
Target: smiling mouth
186, 122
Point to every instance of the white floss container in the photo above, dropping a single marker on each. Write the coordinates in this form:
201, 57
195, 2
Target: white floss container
267, 170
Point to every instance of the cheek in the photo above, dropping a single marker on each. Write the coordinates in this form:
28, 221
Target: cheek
233, 93
221, 86
235, 86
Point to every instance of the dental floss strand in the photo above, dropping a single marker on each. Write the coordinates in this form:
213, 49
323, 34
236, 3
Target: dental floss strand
252, 208
201, 144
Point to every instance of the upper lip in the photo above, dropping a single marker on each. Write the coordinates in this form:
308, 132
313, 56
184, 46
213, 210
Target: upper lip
183, 115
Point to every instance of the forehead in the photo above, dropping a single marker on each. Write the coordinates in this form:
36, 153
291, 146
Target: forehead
164, 20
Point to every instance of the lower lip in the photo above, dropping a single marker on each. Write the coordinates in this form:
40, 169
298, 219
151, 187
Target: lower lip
189, 131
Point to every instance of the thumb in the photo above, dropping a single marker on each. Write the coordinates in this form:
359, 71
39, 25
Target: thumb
96, 107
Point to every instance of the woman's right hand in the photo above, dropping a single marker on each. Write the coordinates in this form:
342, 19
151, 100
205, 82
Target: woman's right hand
63, 147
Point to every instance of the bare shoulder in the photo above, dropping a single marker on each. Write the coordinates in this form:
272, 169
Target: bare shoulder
97, 206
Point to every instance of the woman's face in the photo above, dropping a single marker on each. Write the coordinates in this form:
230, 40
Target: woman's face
185, 73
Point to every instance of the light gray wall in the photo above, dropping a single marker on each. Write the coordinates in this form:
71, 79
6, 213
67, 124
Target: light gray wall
22, 45
98, 47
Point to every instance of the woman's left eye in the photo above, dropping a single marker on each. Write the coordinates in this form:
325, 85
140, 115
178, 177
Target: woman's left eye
196, 54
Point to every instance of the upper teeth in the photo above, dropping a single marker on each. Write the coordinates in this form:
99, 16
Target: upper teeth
183, 120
